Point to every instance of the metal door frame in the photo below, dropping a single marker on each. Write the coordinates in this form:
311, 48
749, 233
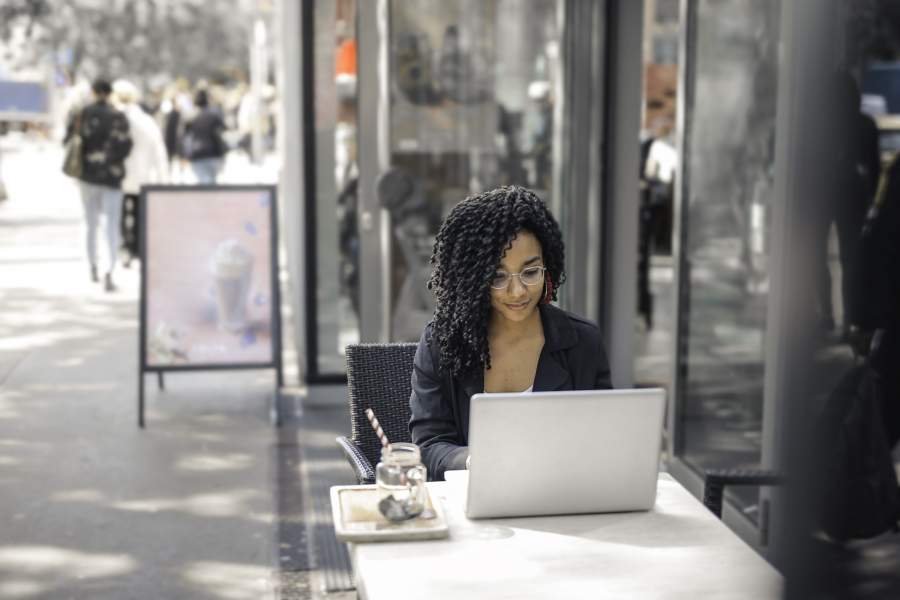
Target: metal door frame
373, 156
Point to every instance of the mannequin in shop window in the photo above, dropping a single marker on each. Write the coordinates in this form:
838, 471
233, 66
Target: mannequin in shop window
497, 266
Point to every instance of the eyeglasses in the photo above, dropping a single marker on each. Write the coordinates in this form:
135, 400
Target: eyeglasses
529, 276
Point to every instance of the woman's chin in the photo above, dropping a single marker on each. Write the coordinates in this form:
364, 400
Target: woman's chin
517, 312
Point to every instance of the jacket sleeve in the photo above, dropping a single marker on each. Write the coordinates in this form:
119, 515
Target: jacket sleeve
432, 425
603, 377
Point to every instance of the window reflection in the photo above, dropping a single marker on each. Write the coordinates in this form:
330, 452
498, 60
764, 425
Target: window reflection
855, 295
856, 382
471, 109
336, 182
727, 205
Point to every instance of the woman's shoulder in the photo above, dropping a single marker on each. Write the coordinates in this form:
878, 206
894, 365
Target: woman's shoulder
428, 352
589, 333
572, 328
581, 322
582, 342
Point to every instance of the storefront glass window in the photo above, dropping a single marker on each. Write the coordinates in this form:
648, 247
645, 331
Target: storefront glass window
336, 286
729, 174
471, 109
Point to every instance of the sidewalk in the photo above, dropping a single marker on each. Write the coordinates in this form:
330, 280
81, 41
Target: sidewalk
90, 506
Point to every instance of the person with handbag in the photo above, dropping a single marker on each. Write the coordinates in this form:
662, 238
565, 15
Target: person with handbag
202, 143
97, 144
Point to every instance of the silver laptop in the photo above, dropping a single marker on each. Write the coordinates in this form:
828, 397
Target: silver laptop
555, 453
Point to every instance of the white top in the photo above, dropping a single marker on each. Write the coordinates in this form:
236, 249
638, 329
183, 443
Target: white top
528, 391
677, 550
147, 162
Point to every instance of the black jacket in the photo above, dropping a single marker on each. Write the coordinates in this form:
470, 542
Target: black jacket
573, 358
203, 136
105, 143
173, 132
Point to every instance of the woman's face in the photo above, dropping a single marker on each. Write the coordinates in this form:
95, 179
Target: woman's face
517, 301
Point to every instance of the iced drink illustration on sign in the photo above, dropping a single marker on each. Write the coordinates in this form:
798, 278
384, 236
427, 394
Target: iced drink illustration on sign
232, 268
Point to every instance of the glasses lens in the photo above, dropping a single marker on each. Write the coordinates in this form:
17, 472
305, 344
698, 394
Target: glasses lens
500, 280
531, 275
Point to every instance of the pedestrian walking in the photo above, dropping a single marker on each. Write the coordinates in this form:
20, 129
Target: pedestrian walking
203, 143
105, 143
174, 110
146, 163
851, 171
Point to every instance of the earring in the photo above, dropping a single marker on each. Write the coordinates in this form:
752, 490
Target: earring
548, 291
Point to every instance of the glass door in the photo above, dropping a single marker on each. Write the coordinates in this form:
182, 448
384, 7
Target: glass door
456, 97
726, 182
417, 104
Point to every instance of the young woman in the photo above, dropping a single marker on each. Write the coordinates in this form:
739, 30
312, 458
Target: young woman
497, 265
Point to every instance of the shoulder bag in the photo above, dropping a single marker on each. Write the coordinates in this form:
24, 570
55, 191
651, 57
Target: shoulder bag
73, 163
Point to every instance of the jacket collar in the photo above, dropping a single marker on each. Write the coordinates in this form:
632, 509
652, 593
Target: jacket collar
559, 334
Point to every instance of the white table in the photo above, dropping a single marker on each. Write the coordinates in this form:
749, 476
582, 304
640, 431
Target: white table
677, 550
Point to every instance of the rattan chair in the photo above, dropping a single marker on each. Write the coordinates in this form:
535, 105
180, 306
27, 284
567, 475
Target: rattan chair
378, 377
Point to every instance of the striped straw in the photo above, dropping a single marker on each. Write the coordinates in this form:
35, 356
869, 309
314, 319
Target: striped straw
378, 430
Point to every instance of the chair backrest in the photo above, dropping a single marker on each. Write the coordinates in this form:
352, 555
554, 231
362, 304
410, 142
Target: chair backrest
378, 377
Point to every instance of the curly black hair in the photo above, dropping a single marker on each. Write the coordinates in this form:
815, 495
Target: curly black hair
469, 246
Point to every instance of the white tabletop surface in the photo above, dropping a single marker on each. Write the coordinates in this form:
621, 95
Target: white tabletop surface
677, 550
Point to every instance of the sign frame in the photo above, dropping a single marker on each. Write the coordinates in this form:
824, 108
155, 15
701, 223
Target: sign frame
274, 295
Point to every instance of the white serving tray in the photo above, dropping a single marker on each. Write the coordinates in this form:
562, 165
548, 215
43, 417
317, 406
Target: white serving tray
357, 518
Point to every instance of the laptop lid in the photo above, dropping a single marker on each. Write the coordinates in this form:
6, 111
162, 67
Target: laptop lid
554, 453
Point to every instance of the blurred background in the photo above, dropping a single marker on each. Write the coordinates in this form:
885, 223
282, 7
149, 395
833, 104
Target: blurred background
52, 51
713, 164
